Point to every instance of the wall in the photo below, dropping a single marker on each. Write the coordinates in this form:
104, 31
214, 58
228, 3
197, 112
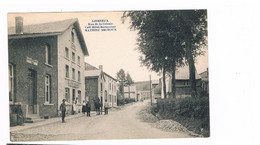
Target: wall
182, 87
65, 40
91, 85
18, 51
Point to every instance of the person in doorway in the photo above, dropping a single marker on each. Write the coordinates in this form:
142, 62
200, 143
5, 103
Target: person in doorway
88, 106
106, 108
97, 105
83, 107
63, 110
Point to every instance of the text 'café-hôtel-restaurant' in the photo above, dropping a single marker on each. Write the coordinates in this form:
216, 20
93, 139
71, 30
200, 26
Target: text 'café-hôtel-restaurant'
46, 65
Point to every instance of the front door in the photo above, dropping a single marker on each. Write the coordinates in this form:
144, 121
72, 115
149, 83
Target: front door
32, 97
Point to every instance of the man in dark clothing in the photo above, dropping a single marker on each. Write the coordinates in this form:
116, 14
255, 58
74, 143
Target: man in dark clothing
88, 106
63, 110
106, 108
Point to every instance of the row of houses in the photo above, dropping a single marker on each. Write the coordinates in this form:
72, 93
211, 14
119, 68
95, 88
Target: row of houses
46, 65
141, 90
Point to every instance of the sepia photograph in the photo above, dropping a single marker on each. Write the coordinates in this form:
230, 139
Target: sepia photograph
108, 75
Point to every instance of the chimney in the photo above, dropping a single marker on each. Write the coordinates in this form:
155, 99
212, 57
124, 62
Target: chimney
19, 25
100, 67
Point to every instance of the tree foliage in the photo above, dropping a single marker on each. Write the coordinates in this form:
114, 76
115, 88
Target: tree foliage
168, 39
124, 79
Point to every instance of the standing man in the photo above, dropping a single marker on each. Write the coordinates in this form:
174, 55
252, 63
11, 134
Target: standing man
88, 107
63, 110
106, 108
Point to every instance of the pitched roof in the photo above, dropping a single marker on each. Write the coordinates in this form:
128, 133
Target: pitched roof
49, 29
92, 73
204, 75
89, 67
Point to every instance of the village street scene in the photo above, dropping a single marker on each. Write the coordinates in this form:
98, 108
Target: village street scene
108, 75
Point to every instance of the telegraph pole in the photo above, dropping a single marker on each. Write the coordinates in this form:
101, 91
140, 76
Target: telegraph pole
151, 91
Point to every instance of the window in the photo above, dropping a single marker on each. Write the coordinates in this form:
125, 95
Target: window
47, 54
79, 96
78, 60
67, 52
67, 94
11, 82
79, 76
73, 94
73, 73
72, 37
73, 56
101, 87
47, 94
67, 71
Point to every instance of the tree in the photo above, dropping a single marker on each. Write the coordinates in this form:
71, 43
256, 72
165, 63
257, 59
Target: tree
159, 48
121, 77
124, 80
194, 31
167, 37
129, 79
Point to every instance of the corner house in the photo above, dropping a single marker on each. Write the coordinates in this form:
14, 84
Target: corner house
46, 65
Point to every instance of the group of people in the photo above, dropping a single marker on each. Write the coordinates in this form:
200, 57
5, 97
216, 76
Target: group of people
86, 108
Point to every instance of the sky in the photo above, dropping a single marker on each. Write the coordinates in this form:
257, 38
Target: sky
112, 49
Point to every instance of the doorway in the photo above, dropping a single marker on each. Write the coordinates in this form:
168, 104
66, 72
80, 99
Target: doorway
32, 94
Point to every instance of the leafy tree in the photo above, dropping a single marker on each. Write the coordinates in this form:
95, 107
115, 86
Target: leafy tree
121, 77
124, 79
167, 37
194, 34
129, 79
159, 48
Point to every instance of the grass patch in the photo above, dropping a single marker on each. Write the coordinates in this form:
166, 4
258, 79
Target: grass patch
193, 113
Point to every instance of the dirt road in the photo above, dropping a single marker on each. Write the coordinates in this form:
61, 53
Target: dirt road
118, 124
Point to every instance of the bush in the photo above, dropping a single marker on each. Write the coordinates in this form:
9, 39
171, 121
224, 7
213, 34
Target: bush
191, 112
120, 102
124, 101
129, 100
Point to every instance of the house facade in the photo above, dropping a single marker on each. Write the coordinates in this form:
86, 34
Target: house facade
182, 83
100, 84
130, 92
46, 65
205, 81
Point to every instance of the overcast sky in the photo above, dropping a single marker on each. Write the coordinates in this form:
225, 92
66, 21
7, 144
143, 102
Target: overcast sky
114, 50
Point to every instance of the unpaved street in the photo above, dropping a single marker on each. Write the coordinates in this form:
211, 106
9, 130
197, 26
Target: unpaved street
118, 124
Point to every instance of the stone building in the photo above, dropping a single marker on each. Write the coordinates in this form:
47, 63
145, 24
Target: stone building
100, 84
182, 83
130, 92
46, 65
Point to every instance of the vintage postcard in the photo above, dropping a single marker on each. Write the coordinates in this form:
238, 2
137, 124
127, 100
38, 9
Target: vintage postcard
108, 75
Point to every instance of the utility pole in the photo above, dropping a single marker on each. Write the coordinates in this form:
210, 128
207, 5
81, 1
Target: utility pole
123, 89
151, 91
129, 91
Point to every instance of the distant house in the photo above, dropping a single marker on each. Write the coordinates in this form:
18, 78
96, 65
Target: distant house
130, 92
46, 65
182, 83
156, 89
143, 90
100, 84
205, 80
